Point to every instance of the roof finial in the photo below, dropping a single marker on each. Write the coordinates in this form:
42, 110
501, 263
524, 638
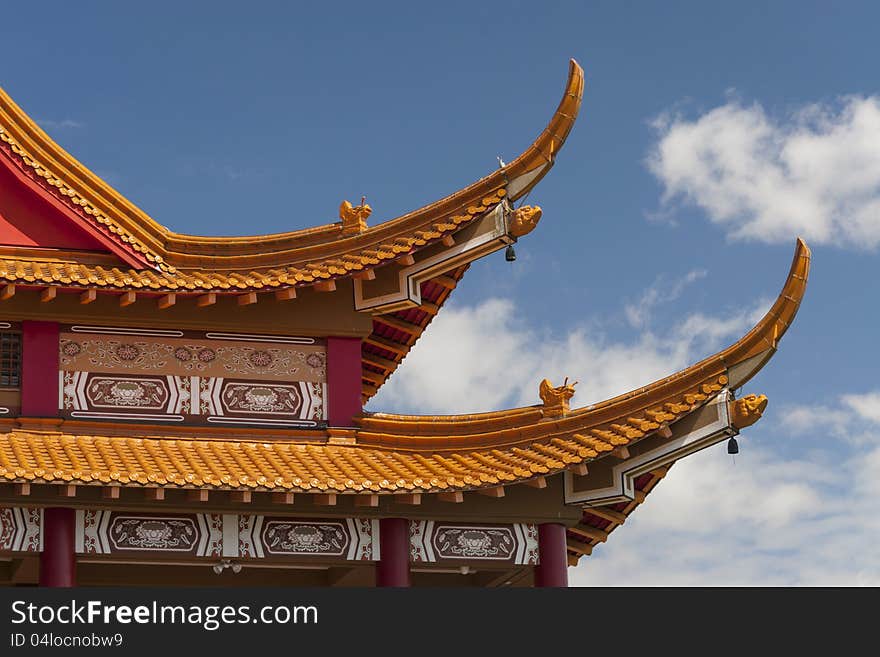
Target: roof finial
354, 218
556, 399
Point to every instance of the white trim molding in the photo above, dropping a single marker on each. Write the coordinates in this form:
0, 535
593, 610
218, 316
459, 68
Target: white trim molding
611, 482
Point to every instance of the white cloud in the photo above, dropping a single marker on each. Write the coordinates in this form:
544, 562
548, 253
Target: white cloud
814, 174
49, 124
767, 520
638, 314
867, 406
483, 357
853, 419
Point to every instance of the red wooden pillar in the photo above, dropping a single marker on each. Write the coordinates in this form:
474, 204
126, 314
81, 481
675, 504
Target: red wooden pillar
552, 568
392, 569
58, 559
39, 369
343, 381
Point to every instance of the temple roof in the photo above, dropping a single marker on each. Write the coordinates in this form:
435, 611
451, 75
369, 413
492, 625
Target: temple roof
389, 453
158, 259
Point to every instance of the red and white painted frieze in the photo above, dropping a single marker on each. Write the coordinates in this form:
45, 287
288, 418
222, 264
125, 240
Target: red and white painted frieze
436, 542
20, 529
111, 532
204, 535
226, 535
189, 377
352, 539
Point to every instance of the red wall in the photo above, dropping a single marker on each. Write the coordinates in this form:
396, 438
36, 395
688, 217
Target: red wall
39, 369
343, 380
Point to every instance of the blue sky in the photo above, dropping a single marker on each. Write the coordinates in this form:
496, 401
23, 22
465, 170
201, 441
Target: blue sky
710, 136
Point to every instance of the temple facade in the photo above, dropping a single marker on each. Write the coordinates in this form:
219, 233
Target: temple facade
184, 410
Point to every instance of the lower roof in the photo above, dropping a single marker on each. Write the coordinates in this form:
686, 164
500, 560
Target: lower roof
388, 453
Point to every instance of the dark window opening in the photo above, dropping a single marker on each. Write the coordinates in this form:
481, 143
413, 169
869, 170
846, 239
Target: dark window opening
10, 359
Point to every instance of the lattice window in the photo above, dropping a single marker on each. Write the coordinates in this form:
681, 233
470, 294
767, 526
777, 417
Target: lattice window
10, 359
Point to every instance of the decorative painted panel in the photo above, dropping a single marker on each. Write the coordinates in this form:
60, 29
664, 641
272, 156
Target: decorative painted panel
352, 539
192, 378
439, 542
20, 529
232, 536
109, 532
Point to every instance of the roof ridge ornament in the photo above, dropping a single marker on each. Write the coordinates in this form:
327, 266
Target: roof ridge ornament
523, 220
556, 398
745, 411
354, 218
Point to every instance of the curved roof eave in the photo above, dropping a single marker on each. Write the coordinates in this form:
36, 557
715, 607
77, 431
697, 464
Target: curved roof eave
391, 453
95, 201
691, 387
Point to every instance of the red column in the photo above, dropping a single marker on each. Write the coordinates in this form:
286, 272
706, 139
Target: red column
39, 369
392, 569
343, 381
552, 568
58, 559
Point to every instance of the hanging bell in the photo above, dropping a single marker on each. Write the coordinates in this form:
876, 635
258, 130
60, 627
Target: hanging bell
732, 446
510, 254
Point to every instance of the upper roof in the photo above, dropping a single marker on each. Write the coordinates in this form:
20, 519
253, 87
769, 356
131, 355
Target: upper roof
162, 260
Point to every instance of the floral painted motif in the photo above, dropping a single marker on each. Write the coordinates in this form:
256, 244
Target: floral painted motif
127, 352
271, 360
302, 538
262, 399
206, 355
475, 542
70, 348
260, 358
183, 354
149, 355
20, 529
532, 556
114, 392
365, 530
192, 378
7, 527
115, 354
215, 531
90, 527
129, 533
69, 390
317, 400
255, 398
